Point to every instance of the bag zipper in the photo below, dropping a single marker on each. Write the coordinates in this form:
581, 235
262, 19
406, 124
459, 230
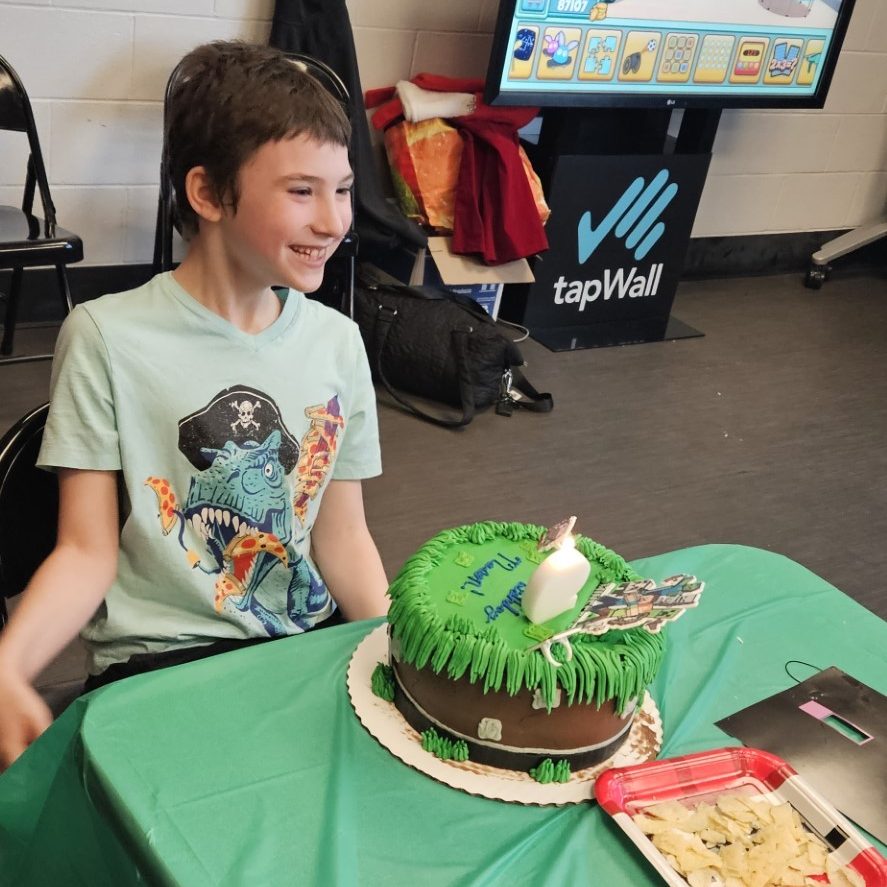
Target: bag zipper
505, 402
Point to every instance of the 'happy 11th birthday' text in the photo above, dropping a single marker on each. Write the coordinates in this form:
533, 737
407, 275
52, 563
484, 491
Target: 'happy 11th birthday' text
511, 601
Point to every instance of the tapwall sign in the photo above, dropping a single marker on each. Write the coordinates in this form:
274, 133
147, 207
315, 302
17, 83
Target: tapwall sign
618, 232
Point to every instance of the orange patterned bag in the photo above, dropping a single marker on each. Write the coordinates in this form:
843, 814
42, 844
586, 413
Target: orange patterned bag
424, 159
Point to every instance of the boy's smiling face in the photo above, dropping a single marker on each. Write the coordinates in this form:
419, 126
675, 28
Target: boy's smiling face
294, 208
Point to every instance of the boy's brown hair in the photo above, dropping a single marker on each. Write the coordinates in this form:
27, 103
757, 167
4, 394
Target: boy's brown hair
226, 100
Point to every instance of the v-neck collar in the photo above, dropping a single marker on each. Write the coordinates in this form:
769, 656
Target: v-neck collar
291, 301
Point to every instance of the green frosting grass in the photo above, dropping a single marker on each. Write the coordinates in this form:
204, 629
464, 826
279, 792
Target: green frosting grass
617, 665
382, 681
444, 748
549, 771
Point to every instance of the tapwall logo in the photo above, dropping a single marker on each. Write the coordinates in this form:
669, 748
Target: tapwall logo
614, 284
634, 216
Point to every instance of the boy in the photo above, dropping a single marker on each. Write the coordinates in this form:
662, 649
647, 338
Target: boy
236, 423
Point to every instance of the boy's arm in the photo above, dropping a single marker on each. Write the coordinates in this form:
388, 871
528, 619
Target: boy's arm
346, 555
62, 595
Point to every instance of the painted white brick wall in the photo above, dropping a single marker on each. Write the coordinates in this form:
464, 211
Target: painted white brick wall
95, 70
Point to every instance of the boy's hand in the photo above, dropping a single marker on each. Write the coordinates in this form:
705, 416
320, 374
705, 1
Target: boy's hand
23, 717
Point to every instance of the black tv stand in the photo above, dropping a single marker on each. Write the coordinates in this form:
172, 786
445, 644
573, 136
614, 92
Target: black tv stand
623, 185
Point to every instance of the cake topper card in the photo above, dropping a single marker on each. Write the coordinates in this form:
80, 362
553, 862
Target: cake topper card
555, 535
641, 603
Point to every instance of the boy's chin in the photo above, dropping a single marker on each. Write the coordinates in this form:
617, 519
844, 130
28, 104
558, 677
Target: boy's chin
305, 283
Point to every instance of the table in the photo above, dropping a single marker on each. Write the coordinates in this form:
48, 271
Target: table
251, 768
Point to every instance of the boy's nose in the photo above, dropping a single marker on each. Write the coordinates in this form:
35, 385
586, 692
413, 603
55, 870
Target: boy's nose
332, 219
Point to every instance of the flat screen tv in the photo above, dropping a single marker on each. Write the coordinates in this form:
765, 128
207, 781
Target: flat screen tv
666, 53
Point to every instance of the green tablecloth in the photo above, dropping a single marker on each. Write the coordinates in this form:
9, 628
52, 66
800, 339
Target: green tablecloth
251, 768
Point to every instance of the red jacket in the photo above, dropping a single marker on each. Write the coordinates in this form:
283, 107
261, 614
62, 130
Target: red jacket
495, 213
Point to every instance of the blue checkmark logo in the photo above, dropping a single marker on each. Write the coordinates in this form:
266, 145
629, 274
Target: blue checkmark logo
635, 216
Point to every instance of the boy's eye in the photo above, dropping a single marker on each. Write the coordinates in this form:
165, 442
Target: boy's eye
346, 190
302, 192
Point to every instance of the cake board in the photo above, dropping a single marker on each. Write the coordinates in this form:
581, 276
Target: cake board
388, 726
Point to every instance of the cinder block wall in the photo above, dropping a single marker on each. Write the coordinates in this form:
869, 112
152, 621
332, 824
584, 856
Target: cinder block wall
95, 70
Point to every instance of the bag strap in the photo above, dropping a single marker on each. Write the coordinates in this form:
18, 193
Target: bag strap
538, 402
385, 319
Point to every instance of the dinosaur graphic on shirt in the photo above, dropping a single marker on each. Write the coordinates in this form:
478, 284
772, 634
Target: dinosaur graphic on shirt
240, 510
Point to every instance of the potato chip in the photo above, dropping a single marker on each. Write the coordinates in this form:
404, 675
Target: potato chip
711, 836
842, 876
673, 811
651, 825
732, 805
705, 877
687, 848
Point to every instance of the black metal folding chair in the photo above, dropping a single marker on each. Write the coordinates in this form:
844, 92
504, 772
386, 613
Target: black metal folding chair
27, 241
29, 504
338, 285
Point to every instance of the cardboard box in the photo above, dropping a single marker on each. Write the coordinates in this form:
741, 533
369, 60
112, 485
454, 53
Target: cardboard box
439, 266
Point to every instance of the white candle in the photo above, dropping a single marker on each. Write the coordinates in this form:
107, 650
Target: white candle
555, 584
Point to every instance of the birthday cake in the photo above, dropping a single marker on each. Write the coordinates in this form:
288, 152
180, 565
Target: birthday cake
479, 680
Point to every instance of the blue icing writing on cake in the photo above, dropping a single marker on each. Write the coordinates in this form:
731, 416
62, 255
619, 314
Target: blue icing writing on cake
474, 582
511, 603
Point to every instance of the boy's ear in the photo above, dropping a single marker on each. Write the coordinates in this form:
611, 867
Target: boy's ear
202, 195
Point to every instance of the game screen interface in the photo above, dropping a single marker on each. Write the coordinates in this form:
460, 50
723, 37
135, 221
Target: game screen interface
673, 47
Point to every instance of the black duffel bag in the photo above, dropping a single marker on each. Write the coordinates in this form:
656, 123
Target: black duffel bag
442, 346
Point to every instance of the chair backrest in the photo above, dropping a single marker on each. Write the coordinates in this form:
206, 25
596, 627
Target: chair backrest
325, 74
28, 505
16, 115
328, 78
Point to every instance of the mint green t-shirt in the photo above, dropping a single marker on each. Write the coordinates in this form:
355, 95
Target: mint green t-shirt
225, 442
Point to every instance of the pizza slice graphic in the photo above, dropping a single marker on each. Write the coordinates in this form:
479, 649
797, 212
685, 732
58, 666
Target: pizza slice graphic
166, 502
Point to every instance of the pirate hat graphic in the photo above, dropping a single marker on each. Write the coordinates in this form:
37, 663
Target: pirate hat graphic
239, 414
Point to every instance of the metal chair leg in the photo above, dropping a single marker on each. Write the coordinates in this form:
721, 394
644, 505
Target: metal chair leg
11, 312
64, 290
352, 272
168, 227
157, 261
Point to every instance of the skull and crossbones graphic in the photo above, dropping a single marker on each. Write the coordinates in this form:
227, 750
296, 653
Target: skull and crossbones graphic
246, 415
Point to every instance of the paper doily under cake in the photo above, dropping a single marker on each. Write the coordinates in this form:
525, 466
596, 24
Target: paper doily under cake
388, 726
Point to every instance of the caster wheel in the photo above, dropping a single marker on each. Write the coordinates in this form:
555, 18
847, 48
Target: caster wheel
815, 278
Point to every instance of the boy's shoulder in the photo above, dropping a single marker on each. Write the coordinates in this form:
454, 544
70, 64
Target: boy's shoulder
329, 321
126, 303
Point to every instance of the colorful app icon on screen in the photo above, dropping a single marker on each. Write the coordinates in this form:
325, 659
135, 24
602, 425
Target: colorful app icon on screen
676, 60
785, 57
557, 59
600, 54
639, 55
749, 61
811, 58
714, 58
525, 41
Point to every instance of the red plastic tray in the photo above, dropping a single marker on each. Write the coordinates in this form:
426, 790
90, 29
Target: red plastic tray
624, 791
